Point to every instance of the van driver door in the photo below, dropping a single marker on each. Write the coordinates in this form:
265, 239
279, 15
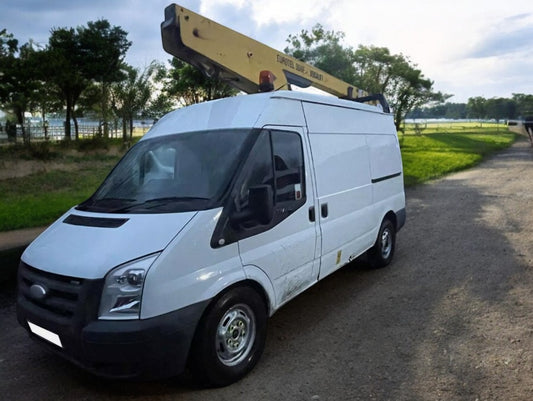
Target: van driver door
286, 249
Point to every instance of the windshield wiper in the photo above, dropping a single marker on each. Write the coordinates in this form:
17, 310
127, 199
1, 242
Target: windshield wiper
102, 203
157, 202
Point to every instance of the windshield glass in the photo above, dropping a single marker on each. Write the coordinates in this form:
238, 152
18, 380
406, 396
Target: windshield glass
175, 173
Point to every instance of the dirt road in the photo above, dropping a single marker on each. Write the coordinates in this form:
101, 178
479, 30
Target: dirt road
450, 319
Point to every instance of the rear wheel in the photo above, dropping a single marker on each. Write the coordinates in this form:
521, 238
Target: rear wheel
380, 255
230, 338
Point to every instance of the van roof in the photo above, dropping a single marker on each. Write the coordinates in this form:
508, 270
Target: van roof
244, 111
321, 99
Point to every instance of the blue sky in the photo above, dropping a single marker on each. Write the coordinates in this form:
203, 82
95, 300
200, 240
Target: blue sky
467, 47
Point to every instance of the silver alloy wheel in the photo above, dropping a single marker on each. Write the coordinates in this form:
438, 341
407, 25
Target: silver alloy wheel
235, 335
386, 243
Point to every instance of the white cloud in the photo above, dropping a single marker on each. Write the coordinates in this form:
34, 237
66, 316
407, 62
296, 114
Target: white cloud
270, 12
437, 35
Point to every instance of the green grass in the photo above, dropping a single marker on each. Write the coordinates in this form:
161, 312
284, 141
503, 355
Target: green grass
39, 199
436, 153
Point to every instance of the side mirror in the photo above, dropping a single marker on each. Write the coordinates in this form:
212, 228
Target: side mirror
261, 203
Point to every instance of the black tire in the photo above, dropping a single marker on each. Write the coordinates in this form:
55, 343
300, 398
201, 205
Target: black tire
230, 338
381, 254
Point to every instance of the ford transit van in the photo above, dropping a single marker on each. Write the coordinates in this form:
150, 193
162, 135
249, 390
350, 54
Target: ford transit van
222, 213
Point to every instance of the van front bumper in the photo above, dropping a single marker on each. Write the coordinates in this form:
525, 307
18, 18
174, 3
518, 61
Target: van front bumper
150, 348
147, 348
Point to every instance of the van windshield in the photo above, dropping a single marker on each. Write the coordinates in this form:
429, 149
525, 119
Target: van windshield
176, 173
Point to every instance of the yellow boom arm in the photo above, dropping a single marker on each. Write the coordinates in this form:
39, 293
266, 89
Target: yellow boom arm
237, 59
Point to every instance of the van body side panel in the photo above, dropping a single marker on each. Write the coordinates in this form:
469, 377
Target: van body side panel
349, 146
189, 271
386, 161
387, 175
258, 275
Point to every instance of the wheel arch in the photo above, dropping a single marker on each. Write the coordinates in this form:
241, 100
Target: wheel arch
392, 217
256, 286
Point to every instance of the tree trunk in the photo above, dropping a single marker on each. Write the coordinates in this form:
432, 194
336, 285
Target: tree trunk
103, 105
76, 127
131, 127
45, 124
20, 120
67, 119
124, 129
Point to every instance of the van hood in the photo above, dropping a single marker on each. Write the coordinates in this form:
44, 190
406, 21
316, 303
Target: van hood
88, 245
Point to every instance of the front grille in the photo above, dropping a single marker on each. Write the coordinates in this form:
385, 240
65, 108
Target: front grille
65, 297
62, 292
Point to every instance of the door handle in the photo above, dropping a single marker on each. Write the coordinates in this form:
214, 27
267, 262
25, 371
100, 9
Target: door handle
312, 213
324, 210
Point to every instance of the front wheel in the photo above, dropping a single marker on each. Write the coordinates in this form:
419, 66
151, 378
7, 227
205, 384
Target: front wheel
380, 255
230, 338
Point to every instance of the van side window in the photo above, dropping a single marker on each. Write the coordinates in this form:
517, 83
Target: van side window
258, 170
276, 162
288, 166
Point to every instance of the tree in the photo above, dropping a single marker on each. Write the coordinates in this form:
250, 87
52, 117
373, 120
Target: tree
476, 107
373, 69
446, 110
104, 48
8, 51
524, 104
77, 57
500, 108
19, 68
45, 97
455, 110
395, 76
65, 66
324, 50
187, 85
131, 96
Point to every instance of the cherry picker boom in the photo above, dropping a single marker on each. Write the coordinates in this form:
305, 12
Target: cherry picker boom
243, 62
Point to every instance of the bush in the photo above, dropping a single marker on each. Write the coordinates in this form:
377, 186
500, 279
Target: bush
40, 151
95, 143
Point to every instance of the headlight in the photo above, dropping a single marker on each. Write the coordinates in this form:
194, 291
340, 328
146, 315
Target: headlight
121, 296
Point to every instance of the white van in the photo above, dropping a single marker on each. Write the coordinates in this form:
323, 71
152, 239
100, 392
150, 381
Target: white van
222, 213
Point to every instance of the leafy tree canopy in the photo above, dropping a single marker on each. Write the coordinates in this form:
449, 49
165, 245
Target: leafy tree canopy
324, 50
77, 57
20, 75
187, 85
373, 69
132, 95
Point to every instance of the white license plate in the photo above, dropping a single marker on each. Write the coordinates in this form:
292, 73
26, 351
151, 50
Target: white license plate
46, 334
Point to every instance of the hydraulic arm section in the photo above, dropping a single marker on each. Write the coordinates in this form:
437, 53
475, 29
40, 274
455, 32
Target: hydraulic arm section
239, 60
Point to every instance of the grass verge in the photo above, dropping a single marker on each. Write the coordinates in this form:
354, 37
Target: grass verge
434, 154
38, 199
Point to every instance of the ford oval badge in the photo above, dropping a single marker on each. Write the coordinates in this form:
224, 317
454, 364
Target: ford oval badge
37, 291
